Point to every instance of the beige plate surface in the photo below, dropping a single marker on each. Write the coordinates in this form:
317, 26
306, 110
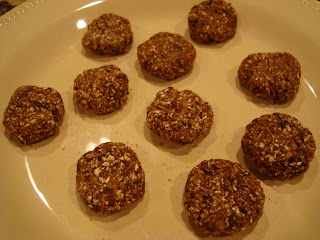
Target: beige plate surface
40, 44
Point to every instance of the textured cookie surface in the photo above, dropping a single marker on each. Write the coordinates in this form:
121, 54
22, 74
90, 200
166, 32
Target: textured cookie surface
212, 21
109, 34
222, 197
101, 90
166, 55
110, 178
179, 116
33, 114
278, 146
274, 77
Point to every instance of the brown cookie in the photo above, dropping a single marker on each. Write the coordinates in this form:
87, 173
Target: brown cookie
33, 114
179, 116
101, 90
5, 7
110, 178
274, 77
221, 197
109, 34
212, 21
166, 55
278, 146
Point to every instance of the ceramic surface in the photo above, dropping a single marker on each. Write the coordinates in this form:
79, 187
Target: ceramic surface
40, 44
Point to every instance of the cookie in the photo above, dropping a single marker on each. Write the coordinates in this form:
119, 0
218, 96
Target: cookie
5, 7
109, 34
221, 197
33, 114
179, 116
166, 55
274, 77
110, 178
212, 21
101, 90
278, 146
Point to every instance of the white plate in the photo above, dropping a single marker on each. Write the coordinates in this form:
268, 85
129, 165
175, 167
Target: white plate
40, 44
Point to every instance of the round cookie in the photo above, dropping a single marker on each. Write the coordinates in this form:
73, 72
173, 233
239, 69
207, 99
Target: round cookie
166, 55
110, 178
101, 90
222, 197
33, 114
179, 116
274, 77
109, 34
278, 146
212, 21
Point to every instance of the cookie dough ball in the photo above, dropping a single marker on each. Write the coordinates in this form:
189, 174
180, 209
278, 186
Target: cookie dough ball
110, 178
274, 77
278, 146
33, 114
222, 197
212, 21
109, 34
179, 116
101, 90
166, 55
